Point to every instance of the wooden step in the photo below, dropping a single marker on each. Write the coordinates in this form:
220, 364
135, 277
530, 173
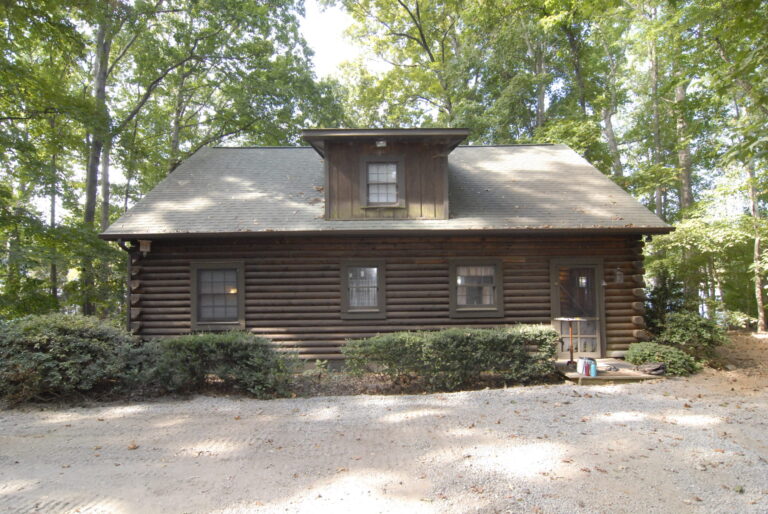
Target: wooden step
609, 378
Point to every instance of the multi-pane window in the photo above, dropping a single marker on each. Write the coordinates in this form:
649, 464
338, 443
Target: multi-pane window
382, 183
363, 287
476, 289
217, 295
475, 286
217, 298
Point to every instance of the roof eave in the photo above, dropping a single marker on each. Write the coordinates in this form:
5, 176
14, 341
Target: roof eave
317, 137
403, 232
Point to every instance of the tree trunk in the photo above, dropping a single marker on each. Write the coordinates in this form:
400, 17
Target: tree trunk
53, 271
536, 52
683, 147
541, 88
754, 211
757, 251
54, 275
98, 134
656, 152
130, 167
574, 44
179, 111
613, 146
15, 246
92, 179
105, 154
173, 159
608, 112
12, 284
100, 130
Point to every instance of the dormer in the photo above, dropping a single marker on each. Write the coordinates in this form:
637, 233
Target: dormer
385, 173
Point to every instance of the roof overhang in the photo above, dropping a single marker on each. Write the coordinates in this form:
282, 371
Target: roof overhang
451, 137
405, 233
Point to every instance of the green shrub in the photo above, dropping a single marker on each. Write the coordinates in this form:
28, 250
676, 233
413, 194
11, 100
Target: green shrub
739, 320
185, 364
696, 336
451, 358
667, 295
677, 361
395, 354
44, 357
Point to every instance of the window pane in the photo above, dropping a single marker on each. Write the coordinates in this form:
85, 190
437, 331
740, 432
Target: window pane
206, 312
217, 295
382, 182
363, 287
382, 193
382, 172
475, 286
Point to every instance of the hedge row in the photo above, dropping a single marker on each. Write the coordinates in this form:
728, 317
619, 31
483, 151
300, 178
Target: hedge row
456, 357
53, 356
59, 356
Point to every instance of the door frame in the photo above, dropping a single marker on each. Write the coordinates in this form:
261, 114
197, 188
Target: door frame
554, 293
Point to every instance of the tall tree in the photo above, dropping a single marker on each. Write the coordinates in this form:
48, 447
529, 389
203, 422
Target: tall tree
87, 86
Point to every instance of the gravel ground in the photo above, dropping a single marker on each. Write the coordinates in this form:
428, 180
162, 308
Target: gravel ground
677, 445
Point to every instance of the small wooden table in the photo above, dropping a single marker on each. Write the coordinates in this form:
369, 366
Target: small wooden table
570, 321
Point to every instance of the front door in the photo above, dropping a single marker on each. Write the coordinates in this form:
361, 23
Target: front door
577, 301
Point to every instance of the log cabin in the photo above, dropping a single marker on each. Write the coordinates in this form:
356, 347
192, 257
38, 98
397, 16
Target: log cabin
370, 231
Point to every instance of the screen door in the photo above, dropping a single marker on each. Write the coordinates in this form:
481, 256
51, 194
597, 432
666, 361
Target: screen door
577, 297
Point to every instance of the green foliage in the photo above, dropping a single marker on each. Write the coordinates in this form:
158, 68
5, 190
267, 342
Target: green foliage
46, 357
55, 356
664, 296
452, 358
677, 361
186, 364
707, 254
582, 135
693, 334
180, 76
738, 320
193, 73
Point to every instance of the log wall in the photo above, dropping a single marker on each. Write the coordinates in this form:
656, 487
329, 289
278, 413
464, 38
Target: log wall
292, 284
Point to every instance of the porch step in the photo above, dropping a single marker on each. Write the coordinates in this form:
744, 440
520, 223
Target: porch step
608, 378
624, 373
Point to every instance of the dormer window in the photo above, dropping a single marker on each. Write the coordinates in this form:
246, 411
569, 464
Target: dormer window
367, 172
383, 181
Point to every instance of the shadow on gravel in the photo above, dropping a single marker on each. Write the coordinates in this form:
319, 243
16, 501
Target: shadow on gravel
557, 448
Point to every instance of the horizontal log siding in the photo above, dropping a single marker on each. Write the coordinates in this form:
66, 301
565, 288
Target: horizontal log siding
292, 285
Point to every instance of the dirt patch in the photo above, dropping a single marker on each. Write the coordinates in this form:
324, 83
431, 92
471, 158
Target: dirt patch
315, 383
746, 357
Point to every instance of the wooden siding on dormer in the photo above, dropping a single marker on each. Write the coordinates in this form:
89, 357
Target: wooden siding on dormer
426, 180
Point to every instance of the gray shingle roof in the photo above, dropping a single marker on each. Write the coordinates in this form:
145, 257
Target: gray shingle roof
498, 188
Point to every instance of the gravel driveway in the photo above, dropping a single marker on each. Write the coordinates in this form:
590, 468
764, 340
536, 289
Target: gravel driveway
680, 445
